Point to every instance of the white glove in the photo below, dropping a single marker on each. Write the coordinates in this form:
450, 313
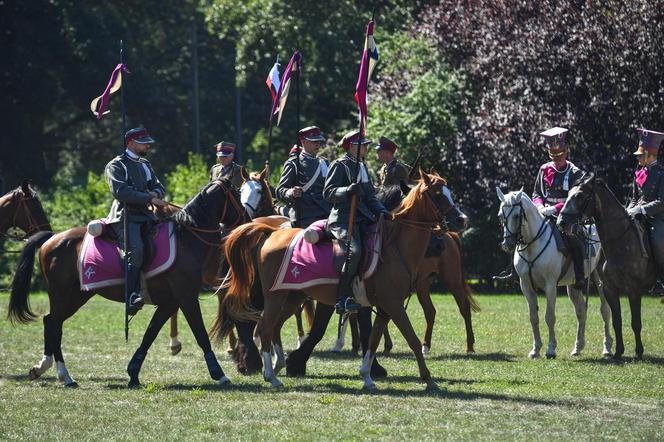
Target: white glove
547, 210
636, 210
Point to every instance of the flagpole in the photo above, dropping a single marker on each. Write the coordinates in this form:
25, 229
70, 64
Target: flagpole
269, 136
125, 225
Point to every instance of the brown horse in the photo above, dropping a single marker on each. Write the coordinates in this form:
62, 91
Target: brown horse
197, 242
255, 252
21, 208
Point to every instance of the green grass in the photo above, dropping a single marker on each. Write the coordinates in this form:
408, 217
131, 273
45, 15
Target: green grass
496, 394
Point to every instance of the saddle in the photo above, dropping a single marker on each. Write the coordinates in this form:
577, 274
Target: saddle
100, 260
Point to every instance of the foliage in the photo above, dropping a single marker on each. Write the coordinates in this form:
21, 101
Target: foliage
186, 179
496, 394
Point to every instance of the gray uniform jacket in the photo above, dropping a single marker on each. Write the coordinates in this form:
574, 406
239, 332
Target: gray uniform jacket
130, 180
233, 172
299, 171
340, 176
651, 195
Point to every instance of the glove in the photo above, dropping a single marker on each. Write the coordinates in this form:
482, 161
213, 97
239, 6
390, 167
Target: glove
547, 210
636, 210
354, 189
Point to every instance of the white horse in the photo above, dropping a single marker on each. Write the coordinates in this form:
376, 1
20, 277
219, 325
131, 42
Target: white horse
541, 265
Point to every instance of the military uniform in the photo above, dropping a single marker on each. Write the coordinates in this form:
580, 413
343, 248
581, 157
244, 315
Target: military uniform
130, 179
234, 172
393, 173
338, 191
309, 173
551, 189
647, 195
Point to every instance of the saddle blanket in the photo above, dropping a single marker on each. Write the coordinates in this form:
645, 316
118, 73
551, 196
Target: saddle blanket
307, 265
100, 262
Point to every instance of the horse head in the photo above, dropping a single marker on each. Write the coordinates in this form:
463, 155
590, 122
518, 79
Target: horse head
580, 204
256, 195
512, 215
26, 211
438, 202
217, 203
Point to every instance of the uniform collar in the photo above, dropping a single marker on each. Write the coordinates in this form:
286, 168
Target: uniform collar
391, 162
132, 155
306, 154
553, 165
654, 163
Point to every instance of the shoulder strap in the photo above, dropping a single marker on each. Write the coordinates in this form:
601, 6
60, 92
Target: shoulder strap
311, 182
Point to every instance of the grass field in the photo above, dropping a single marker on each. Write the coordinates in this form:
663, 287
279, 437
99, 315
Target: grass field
497, 393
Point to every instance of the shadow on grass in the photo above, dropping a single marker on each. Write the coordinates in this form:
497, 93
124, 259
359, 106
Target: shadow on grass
653, 360
496, 357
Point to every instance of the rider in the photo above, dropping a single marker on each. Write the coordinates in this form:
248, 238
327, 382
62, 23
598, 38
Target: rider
226, 167
553, 182
301, 183
134, 185
647, 195
339, 189
393, 170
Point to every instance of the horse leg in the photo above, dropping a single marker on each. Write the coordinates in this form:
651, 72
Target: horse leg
364, 330
398, 314
296, 363
232, 342
613, 299
580, 309
605, 310
174, 345
292, 305
379, 326
246, 354
635, 308
424, 296
531, 298
300, 327
355, 343
158, 320
388, 345
191, 309
47, 359
267, 326
550, 318
341, 333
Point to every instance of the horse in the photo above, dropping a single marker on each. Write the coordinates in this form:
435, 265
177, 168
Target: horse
197, 241
448, 267
628, 268
540, 264
22, 208
255, 252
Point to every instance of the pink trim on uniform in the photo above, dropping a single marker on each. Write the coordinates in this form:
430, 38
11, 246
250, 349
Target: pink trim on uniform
538, 201
641, 176
559, 207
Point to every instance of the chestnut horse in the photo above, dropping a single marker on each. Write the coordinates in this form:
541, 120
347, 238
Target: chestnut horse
21, 208
197, 239
255, 252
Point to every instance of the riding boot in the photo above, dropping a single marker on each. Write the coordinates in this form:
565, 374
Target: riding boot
345, 301
576, 250
136, 301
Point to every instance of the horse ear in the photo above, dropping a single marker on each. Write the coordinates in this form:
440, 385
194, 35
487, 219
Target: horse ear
501, 195
424, 177
263, 173
404, 187
25, 187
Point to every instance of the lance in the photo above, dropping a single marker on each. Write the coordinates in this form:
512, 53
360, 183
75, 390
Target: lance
296, 206
414, 166
269, 137
125, 226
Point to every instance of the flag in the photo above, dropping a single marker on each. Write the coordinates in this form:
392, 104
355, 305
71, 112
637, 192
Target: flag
273, 81
99, 104
284, 86
367, 65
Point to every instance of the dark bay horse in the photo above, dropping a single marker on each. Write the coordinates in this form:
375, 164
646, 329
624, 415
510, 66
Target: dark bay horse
197, 242
255, 252
626, 269
21, 208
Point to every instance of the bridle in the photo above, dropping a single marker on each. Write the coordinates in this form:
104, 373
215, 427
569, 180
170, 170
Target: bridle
34, 225
517, 234
439, 213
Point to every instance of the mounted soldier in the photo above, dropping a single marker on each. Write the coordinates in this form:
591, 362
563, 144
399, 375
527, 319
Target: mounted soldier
553, 182
302, 181
226, 167
647, 194
134, 186
393, 171
339, 190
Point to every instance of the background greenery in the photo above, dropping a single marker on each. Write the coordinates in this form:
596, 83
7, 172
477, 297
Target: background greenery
470, 83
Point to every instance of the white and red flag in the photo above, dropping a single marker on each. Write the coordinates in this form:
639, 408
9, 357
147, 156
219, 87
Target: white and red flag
367, 65
279, 102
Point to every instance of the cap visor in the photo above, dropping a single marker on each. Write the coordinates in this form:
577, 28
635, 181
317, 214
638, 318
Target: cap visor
144, 140
317, 138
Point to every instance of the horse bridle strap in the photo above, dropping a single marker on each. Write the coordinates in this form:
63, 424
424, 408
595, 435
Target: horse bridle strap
33, 225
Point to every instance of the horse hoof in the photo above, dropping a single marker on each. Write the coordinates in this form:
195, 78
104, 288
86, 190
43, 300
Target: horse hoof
551, 356
425, 350
638, 356
73, 384
575, 353
355, 349
378, 371
533, 355
470, 352
33, 374
175, 349
224, 381
369, 387
607, 354
617, 357
296, 370
134, 383
432, 388
276, 383
386, 351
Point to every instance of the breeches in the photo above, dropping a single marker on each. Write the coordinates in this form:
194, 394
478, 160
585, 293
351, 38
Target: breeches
340, 232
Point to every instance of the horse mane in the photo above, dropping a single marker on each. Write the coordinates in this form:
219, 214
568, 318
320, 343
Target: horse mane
390, 196
416, 193
196, 205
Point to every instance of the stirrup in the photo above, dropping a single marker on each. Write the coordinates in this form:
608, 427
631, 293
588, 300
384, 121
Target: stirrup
348, 305
135, 304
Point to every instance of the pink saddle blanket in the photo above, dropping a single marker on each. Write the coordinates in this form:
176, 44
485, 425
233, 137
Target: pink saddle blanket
306, 265
100, 263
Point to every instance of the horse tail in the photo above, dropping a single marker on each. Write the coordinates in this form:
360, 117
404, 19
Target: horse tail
19, 305
240, 250
474, 305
